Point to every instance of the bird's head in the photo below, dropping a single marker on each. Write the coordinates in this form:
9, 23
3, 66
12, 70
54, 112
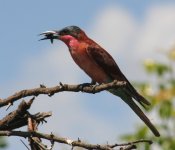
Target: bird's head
66, 34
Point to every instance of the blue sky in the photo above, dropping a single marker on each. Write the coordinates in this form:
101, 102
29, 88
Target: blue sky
21, 21
130, 30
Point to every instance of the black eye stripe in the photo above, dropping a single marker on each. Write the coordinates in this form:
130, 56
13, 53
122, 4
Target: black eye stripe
71, 30
65, 31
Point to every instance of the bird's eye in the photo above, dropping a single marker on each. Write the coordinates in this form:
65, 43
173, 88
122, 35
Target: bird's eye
65, 32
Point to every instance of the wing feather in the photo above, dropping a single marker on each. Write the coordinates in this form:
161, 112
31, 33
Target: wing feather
107, 63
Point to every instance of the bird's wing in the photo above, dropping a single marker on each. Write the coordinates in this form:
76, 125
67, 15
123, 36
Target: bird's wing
107, 63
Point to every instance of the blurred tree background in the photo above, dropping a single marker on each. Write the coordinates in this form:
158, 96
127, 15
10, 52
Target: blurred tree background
3, 143
161, 93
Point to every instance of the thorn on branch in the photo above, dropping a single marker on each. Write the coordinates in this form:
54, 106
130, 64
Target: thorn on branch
9, 105
79, 139
51, 94
42, 86
29, 103
51, 135
62, 87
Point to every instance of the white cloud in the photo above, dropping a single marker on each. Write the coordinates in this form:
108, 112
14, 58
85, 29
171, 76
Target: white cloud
114, 28
130, 41
157, 31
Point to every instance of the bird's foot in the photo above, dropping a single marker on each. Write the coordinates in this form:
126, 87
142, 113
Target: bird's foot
92, 84
86, 85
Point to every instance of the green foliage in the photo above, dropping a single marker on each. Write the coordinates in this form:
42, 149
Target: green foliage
161, 93
166, 109
157, 68
2, 142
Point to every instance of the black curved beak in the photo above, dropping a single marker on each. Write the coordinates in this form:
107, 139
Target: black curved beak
50, 35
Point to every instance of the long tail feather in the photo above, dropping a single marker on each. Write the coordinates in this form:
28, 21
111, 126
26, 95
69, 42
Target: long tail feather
136, 95
128, 99
142, 116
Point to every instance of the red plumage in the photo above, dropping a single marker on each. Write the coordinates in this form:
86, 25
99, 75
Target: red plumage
100, 66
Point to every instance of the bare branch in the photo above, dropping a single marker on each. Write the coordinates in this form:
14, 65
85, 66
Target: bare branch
19, 117
135, 142
35, 142
60, 88
68, 141
15, 115
130, 147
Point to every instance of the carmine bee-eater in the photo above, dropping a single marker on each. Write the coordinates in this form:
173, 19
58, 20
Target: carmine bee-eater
100, 66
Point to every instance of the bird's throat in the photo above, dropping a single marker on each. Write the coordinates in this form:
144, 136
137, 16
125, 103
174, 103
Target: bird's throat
70, 41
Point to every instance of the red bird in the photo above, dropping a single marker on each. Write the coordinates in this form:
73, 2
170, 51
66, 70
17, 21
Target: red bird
100, 66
